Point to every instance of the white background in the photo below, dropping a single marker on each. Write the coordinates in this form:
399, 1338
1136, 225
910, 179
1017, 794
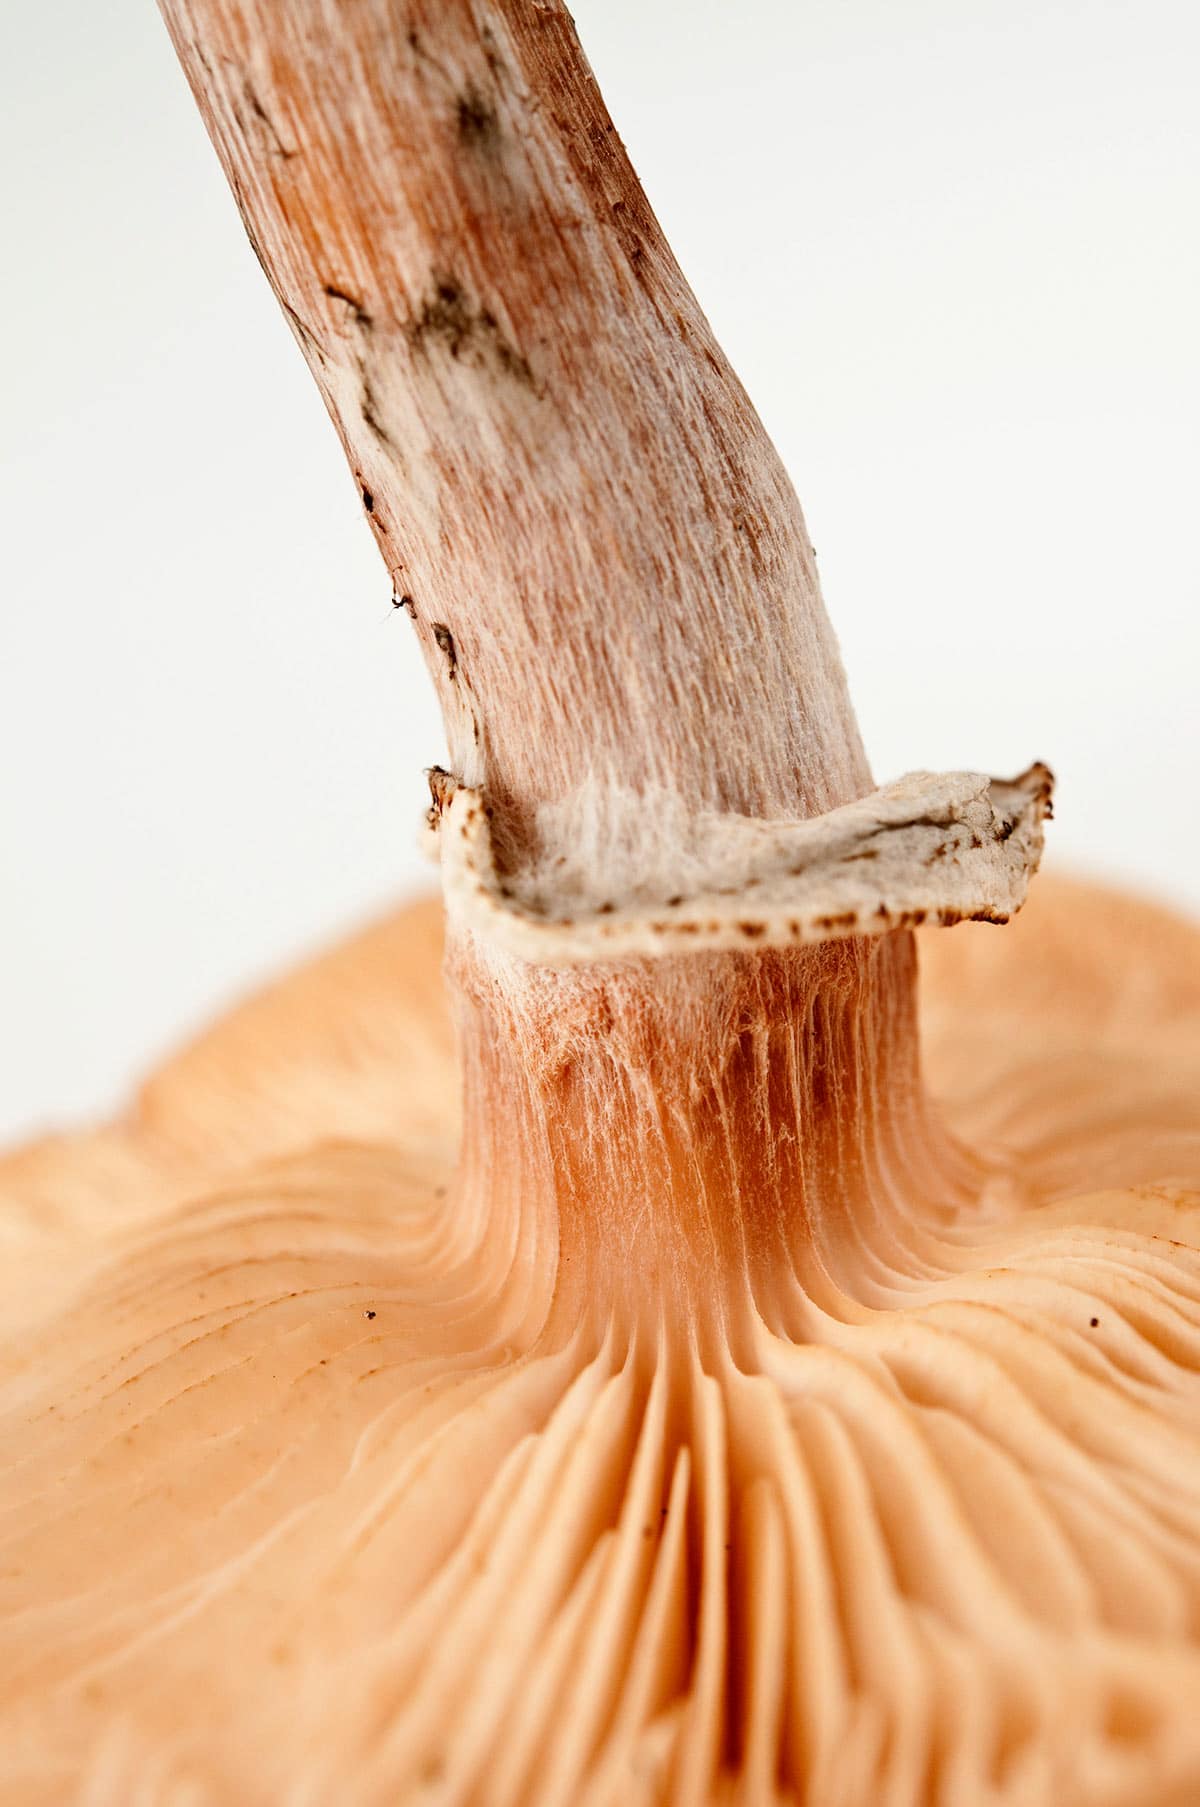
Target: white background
952, 247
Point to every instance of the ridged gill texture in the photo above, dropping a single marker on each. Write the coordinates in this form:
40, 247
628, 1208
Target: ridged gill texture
334, 1482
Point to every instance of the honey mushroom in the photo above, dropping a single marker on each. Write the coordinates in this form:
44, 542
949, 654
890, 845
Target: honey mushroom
673, 1363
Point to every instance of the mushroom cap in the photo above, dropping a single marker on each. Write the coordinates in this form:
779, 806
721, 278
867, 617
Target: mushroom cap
294, 1511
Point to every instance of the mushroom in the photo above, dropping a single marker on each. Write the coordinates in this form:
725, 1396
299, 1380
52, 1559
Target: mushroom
715, 1412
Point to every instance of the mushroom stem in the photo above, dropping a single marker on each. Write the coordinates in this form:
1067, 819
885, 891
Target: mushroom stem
605, 563
612, 584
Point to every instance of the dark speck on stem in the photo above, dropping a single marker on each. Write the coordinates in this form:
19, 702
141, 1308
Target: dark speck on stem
478, 125
445, 644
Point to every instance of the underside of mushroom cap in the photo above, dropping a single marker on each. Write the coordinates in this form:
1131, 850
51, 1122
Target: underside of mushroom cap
303, 1503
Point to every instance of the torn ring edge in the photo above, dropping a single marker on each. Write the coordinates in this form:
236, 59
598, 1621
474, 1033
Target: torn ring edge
937, 848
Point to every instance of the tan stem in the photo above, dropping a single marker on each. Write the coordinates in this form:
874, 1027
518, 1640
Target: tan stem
612, 583
604, 559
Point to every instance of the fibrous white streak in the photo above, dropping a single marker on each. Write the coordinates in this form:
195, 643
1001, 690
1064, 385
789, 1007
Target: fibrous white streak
320, 1491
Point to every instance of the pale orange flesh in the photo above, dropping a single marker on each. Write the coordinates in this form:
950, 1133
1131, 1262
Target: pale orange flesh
327, 1484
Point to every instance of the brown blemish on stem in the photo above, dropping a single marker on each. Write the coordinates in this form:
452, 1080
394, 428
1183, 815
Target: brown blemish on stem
450, 318
477, 121
264, 119
369, 408
444, 640
358, 313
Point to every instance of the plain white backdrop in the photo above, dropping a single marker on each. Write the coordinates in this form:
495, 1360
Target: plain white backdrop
952, 247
